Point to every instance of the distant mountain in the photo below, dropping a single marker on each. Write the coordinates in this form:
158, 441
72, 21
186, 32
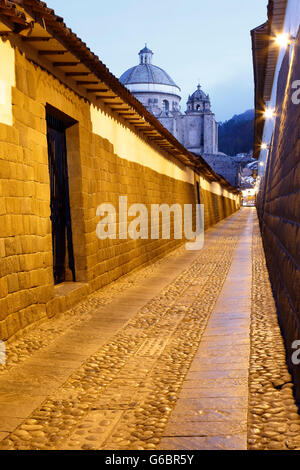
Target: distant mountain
236, 135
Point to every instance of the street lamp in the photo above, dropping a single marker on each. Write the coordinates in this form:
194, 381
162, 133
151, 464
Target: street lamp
283, 40
264, 146
269, 113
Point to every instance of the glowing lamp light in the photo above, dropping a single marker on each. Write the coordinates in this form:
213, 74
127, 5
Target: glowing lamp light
261, 163
264, 146
283, 40
269, 113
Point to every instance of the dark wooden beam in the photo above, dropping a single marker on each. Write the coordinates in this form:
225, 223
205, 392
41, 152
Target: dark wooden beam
11, 15
52, 52
7, 23
65, 64
85, 82
35, 38
13, 19
9, 12
106, 97
78, 74
97, 90
121, 109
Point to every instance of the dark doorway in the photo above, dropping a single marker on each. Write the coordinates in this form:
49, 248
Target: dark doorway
62, 242
200, 213
198, 194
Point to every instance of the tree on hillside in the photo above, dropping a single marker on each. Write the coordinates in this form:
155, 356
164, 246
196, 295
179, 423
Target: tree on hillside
236, 135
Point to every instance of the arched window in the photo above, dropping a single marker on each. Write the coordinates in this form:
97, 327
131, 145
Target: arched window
166, 105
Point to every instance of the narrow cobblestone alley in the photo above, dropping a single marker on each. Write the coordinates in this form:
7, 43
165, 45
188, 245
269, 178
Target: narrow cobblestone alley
160, 359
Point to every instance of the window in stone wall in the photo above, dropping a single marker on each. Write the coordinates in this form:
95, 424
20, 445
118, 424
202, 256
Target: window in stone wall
166, 105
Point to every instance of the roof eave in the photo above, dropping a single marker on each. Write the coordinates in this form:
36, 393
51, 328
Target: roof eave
265, 56
54, 26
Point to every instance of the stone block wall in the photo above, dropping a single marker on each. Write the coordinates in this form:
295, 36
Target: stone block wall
279, 208
216, 207
97, 174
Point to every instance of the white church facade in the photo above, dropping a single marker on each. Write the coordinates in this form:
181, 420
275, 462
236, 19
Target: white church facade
197, 128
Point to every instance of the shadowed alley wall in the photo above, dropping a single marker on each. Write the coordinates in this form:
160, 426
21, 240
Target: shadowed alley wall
279, 206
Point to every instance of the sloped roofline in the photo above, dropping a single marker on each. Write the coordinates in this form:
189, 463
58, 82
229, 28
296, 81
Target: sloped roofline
265, 55
54, 26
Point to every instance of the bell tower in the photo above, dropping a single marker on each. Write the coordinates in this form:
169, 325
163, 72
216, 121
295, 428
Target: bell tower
201, 129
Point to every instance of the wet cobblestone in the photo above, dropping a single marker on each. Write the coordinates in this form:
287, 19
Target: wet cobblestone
122, 396
274, 422
43, 334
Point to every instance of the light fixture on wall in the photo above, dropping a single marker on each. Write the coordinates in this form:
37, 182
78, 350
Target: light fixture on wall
264, 146
261, 164
284, 40
269, 113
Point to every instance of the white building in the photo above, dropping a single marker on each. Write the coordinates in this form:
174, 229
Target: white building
197, 129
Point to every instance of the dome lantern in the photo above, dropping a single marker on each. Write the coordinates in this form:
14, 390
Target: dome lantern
148, 78
145, 55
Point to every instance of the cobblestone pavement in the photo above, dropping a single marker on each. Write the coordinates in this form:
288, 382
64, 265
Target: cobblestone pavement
274, 422
44, 334
115, 368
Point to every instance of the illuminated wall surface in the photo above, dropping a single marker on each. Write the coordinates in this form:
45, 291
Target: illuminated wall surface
106, 159
279, 196
127, 145
7, 81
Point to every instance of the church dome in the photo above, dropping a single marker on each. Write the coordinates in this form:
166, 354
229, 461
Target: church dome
146, 73
148, 77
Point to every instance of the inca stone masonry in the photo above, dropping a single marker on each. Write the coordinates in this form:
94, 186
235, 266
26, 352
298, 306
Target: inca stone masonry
73, 137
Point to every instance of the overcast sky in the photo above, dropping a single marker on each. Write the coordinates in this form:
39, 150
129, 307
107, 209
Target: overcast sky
193, 40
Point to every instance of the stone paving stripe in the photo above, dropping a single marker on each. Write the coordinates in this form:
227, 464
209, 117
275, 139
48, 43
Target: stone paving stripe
208, 428
235, 297
204, 443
